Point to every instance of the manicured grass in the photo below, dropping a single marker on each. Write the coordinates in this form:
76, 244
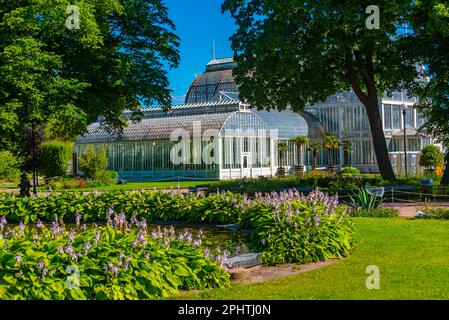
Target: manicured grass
8, 186
141, 185
413, 257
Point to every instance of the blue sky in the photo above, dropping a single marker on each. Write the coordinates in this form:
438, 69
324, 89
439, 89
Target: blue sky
197, 23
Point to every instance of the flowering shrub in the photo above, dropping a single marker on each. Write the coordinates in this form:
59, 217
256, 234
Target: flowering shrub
166, 206
298, 229
119, 261
288, 226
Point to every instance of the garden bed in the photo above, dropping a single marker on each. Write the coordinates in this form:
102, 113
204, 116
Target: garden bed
286, 227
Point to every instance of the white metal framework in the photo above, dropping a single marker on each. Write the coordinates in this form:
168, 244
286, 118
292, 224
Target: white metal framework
203, 141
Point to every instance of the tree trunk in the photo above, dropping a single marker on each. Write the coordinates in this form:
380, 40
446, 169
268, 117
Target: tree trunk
445, 179
346, 160
330, 161
33, 161
380, 143
370, 101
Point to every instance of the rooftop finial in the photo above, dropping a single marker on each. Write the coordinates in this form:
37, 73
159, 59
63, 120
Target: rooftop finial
213, 48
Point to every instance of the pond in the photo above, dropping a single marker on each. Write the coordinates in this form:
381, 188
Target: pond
230, 239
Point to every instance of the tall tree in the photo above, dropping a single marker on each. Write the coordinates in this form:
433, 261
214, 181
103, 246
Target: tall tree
292, 53
430, 22
57, 73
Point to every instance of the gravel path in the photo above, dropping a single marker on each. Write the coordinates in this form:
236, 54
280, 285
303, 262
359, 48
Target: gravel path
262, 273
409, 210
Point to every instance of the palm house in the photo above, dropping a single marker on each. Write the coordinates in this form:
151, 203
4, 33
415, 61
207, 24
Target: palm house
212, 136
216, 136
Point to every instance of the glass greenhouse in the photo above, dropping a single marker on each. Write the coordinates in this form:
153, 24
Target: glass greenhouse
344, 116
215, 136
213, 140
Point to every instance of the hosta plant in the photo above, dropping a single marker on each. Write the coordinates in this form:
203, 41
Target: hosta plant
153, 205
121, 260
287, 226
297, 229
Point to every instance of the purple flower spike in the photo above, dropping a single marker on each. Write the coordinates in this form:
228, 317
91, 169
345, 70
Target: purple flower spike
97, 236
3, 222
72, 236
39, 224
87, 247
77, 219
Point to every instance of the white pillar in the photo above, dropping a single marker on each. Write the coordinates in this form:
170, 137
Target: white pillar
340, 132
219, 158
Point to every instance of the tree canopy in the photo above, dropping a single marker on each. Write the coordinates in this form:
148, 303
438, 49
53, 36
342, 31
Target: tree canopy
52, 74
430, 22
294, 53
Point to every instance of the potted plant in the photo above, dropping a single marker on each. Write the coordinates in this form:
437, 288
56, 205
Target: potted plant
299, 142
282, 149
331, 143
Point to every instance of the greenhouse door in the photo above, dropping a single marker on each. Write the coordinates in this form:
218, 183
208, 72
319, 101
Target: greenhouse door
246, 165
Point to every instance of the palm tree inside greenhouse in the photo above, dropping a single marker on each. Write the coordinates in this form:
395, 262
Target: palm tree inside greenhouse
347, 150
331, 143
299, 142
282, 148
315, 147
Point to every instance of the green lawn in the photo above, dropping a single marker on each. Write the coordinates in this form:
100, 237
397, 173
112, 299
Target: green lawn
141, 185
413, 257
8, 186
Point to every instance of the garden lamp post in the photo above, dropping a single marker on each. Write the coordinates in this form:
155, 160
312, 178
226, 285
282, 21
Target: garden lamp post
404, 109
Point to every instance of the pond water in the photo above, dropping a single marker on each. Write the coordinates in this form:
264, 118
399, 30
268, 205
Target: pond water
234, 241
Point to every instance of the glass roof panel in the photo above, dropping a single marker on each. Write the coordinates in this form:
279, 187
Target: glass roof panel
288, 124
156, 128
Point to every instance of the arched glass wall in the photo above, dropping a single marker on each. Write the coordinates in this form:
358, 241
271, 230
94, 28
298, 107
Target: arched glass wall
214, 145
343, 115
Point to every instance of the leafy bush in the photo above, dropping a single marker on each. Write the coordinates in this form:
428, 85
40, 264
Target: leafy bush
107, 177
345, 184
217, 208
93, 164
297, 229
8, 167
54, 158
433, 213
60, 183
312, 180
364, 200
118, 262
375, 213
431, 156
349, 172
